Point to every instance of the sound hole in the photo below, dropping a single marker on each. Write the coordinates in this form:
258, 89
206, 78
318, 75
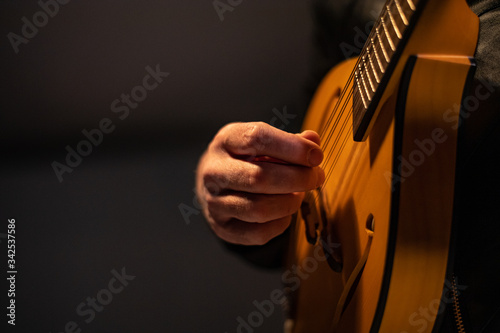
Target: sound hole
370, 223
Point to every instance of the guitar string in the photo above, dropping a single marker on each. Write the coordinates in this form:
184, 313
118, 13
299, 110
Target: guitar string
373, 35
360, 57
330, 150
328, 127
336, 116
330, 132
334, 127
329, 172
342, 139
336, 151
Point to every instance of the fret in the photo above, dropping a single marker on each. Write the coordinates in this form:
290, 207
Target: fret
363, 81
407, 9
412, 5
401, 13
366, 86
398, 20
389, 39
379, 62
384, 40
393, 22
374, 62
372, 71
375, 74
372, 86
384, 51
360, 92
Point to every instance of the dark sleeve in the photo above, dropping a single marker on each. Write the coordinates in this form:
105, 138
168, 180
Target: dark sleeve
478, 183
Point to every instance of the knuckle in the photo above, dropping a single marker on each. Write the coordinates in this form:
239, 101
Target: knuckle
211, 201
224, 134
254, 136
226, 129
255, 177
212, 182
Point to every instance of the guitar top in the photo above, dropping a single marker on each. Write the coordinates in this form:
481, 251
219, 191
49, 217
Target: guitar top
371, 247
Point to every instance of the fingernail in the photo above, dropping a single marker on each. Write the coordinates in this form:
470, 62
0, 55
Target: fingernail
315, 156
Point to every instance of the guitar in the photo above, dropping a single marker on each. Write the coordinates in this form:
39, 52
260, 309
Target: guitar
371, 249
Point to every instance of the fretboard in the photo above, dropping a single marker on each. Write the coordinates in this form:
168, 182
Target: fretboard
375, 58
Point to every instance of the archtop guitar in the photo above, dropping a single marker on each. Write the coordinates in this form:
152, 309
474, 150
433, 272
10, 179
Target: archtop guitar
371, 248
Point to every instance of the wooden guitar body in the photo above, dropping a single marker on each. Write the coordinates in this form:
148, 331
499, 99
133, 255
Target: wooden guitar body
370, 250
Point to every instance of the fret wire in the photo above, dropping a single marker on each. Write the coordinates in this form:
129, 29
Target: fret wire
382, 47
379, 62
360, 92
412, 5
401, 13
365, 86
384, 41
375, 74
368, 75
396, 29
391, 44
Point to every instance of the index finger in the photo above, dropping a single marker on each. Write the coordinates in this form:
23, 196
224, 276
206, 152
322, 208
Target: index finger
261, 139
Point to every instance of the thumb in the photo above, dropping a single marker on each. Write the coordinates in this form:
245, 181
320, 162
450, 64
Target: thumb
311, 136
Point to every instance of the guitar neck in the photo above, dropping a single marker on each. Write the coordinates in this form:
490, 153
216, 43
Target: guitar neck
382, 49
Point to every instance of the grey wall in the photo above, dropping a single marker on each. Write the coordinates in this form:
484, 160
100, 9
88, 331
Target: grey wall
66, 77
118, 208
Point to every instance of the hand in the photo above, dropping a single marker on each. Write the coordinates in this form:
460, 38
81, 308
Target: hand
252, 178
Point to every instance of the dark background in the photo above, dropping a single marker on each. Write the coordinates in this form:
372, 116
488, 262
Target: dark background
120, 207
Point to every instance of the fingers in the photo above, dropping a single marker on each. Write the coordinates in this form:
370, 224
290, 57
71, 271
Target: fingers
300, 154
239, 232
311, 136
254, 208
252, 179
261, 139
261, 177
